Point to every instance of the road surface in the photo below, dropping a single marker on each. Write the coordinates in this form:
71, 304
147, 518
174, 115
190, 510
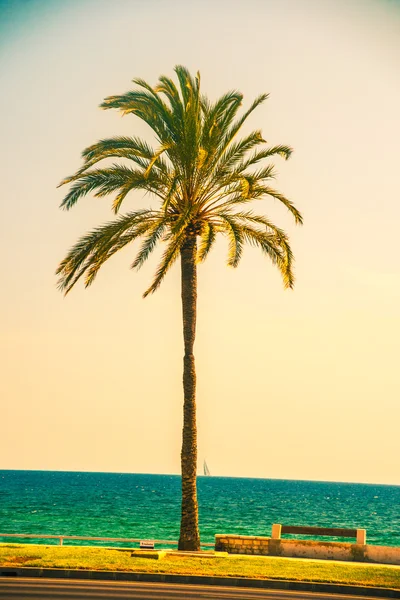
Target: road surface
63, 589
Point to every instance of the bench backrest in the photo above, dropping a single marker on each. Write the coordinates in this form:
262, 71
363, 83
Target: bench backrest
332, 531
359, 534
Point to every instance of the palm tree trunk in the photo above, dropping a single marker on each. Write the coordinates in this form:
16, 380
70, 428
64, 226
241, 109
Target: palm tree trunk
189, 536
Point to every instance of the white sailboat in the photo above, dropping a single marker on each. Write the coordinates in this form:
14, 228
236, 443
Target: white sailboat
206, 470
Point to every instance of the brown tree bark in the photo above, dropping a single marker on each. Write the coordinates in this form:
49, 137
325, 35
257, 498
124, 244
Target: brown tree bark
189, 538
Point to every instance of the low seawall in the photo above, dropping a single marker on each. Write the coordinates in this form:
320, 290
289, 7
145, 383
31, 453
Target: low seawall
243, 544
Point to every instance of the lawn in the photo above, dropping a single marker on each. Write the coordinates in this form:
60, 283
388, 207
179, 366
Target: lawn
105, 559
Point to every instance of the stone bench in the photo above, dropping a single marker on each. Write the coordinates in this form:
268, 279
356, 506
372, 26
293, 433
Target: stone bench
359, 534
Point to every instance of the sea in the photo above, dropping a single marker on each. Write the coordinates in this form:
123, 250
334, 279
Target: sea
142, 506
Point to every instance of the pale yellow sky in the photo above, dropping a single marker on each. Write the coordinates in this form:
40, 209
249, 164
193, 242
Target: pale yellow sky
302, 384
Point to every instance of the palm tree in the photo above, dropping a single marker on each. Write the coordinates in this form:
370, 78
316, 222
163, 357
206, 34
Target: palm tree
204, 177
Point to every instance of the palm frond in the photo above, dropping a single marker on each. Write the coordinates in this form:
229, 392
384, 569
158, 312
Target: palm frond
229, 133
154, 234
171, 192
188, 85
169, 257
277, 250
237, 150
235, 237
283, 151
207, 240
108, 180
239, 123
104, 147
100, 257
261, 175
94, 248
265, 190
250, 217
156, 157
216, 119
149, 107
124, 191
167, 87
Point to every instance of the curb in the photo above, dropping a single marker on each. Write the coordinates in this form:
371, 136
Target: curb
275, 584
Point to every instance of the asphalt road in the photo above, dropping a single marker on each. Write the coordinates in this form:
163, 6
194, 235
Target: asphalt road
25, 588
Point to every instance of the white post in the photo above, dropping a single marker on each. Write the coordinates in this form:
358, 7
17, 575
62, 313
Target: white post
361, 536
276, 531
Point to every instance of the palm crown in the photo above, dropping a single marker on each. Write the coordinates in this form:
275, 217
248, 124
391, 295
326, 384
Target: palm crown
202, 174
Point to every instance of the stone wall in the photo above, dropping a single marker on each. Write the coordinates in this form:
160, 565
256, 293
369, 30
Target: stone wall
244, 544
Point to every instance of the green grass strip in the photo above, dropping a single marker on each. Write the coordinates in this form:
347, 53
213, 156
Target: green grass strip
258, 567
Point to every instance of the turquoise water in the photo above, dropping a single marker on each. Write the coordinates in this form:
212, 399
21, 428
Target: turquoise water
148, 506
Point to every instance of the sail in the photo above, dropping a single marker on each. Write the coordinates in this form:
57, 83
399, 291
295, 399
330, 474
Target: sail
206, 469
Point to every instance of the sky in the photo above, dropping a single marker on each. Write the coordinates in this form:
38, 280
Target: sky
300, 384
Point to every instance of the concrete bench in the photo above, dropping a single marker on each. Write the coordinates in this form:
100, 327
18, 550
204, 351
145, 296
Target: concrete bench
359, 534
